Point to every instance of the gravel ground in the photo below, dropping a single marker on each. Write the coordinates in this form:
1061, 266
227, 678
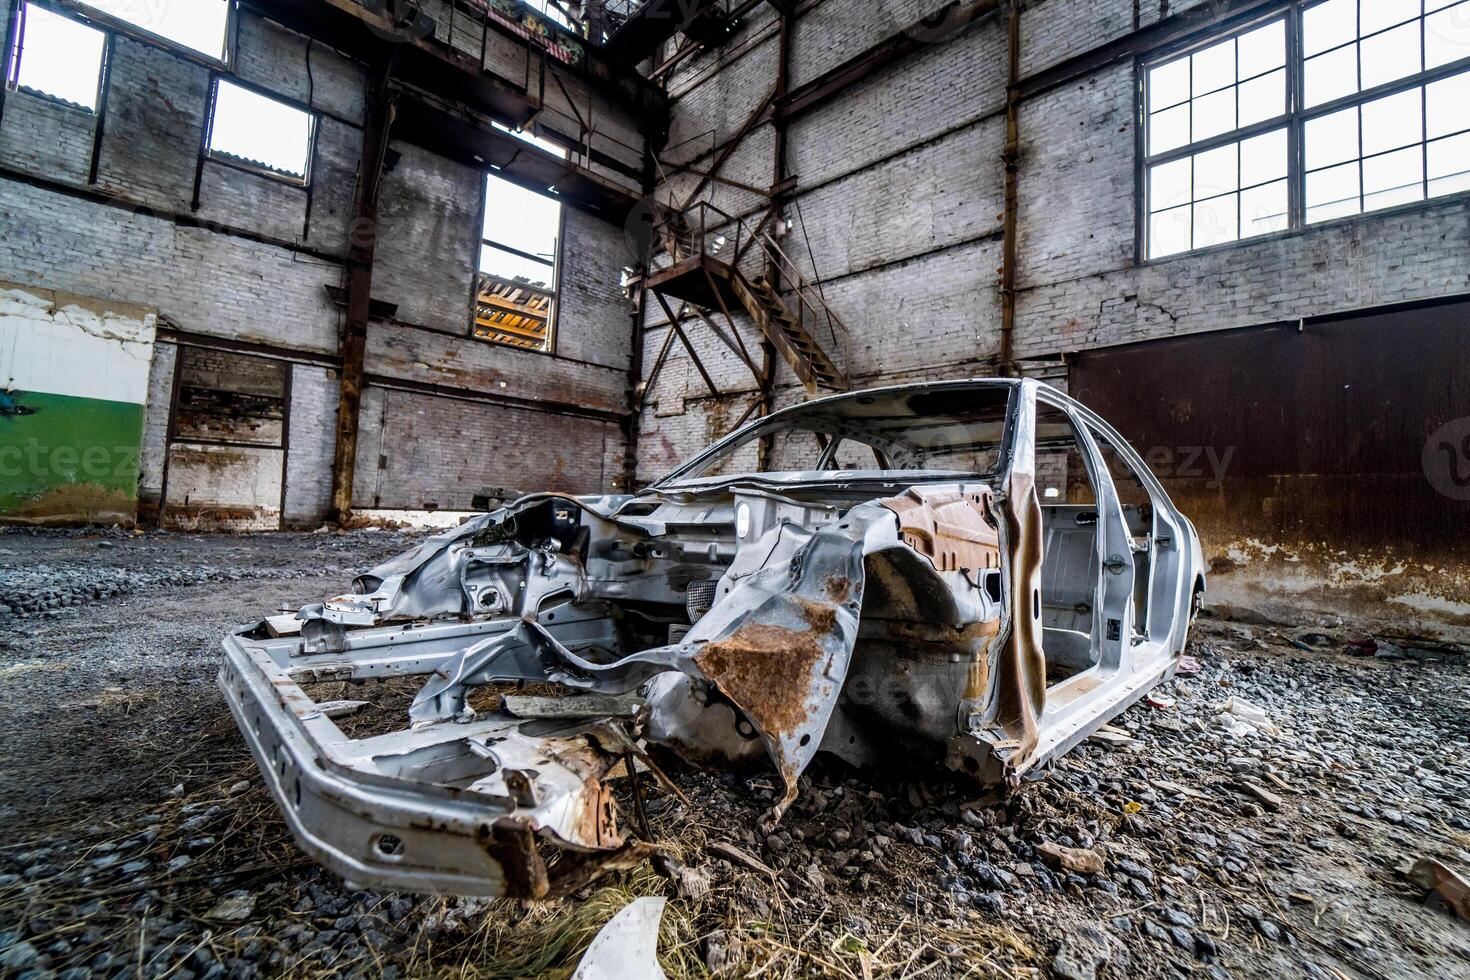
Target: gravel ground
140, 841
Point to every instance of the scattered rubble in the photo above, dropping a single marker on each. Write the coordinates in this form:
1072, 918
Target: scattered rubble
117, 862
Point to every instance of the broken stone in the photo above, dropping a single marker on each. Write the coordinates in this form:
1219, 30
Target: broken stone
1445, 886
1134, 870
19, 956
1076, 859
1265, 797
1111, 737
691, 883
236, 907
1086, 949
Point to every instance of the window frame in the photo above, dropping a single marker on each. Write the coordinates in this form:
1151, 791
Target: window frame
112, 23
554, 317
1294, 120
235, 163
13, 60
559, 253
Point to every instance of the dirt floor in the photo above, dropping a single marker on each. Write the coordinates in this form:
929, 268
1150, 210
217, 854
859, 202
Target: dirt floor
139, 841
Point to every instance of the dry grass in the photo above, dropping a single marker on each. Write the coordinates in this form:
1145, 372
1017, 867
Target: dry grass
32, 667
764, 927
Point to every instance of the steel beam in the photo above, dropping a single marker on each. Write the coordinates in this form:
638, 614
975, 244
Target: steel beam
362, 241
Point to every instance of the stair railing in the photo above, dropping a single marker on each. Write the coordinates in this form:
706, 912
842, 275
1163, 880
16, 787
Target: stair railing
708, 230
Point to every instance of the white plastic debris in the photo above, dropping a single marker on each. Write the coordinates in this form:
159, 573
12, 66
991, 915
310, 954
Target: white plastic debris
627, 947
1238, 713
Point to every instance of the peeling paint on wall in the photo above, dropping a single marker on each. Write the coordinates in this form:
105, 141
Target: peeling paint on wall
73, 389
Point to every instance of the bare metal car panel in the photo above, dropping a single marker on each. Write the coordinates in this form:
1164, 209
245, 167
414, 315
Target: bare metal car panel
737, 620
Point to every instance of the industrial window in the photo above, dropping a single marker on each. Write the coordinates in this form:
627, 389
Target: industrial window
201, 26
251, 130
551, 9
516, 290
57, 57
1327, 109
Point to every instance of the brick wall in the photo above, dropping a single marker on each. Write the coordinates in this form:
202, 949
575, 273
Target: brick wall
899, 210
419, 451
900, 194
253, 263
313, 435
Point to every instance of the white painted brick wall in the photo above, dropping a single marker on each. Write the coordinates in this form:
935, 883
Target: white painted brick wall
155, 424
313, 440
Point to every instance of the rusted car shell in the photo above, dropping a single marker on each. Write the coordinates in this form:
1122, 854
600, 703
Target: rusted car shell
930, 594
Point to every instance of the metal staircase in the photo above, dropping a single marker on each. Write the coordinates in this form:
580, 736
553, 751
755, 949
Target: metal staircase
705, 249
782, 327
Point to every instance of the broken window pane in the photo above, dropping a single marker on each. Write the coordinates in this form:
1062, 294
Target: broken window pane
57, 57
551, 10
260, 132
199, 25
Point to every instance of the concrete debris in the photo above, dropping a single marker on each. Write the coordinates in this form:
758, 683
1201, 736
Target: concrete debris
1242, 718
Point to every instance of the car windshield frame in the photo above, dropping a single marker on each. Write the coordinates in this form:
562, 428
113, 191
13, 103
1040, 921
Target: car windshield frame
691, 473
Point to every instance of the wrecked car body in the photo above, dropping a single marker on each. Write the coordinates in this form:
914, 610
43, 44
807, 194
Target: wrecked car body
976, 574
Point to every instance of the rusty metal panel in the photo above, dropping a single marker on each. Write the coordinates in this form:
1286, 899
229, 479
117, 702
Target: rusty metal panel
1332, 437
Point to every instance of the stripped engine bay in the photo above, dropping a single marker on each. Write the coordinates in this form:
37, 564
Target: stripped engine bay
884, 615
